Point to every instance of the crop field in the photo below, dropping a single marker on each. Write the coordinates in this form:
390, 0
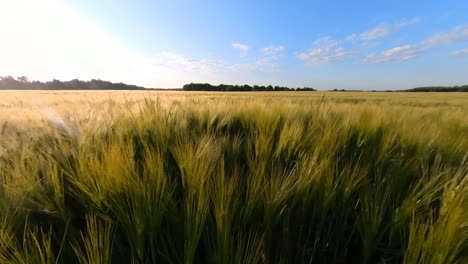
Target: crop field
199, 177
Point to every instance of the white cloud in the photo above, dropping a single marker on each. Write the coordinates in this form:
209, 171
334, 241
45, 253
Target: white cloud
457, 34
180, 62
408, 22
383, 30
325, 50
458, 53
396, 54
326, 42
269, 60
408, 52
270, 55
377, 32
177, 69
272, 49
169, 61
241, 47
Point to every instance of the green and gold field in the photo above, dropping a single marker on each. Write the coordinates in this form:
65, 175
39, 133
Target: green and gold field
194, 177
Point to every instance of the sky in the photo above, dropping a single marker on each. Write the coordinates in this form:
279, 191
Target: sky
326, 44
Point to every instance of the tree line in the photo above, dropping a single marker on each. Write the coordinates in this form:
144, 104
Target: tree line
463, 88
23, 83
239, 88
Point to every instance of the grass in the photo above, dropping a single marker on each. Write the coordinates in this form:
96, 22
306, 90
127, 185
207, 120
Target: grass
176, 177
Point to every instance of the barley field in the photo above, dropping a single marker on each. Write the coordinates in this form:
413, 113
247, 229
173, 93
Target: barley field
197, 177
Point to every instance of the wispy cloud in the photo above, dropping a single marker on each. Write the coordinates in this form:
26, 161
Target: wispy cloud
181, 62
408, 52
459, 53
396, 54
377, 32
241, 47
175, 69
270, 55
272, 49
457, 34
382, 30
325, 50
268, 61
407, 22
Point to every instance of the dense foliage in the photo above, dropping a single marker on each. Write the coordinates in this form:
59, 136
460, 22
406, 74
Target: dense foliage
210, 180
23, 83
463, 88
239, 88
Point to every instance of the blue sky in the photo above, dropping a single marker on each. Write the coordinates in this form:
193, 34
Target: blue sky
321, 44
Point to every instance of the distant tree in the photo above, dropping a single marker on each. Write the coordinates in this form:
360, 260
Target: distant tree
23, 83
242, 88
23, 79
463, 88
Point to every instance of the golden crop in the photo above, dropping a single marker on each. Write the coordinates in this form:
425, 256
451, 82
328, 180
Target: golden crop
198, 177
